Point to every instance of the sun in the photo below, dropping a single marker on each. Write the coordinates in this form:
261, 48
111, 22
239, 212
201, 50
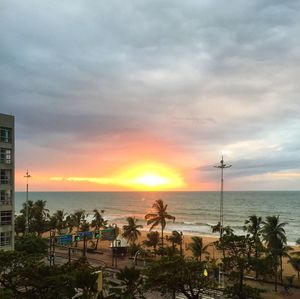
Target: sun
151, 180
151, 176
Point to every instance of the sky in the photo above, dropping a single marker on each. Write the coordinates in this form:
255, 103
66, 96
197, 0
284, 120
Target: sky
110, 94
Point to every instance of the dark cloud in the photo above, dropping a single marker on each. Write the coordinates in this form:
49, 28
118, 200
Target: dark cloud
204, 75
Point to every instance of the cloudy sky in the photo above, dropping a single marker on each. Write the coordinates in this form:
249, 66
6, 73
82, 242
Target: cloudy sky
100, 87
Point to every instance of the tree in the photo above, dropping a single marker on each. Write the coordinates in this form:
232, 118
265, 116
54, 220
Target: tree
20, 224
274, 234
152, 240
97, 223
176, 239
84, 277
159, 217
253, 226
197, 247
176, 274
40, 214
75, 220
28, 204
131, 282
23, 276
237, 259
37, 216
60, 221
283, 252
131, 231
31, 244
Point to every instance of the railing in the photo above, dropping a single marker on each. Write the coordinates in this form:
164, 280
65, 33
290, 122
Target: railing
4, 181
5, 202
5, 161
6, 222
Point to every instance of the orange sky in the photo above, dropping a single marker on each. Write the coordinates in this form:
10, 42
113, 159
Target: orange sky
138, 164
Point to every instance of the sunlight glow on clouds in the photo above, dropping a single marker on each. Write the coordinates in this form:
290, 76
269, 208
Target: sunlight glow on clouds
150, 176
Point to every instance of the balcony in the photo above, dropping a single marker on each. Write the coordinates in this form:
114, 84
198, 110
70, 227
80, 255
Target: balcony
6, 202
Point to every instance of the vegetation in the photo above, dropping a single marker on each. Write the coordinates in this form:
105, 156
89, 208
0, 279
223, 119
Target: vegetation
97, 223
260, 250
31, 244
152, 240
131, 283
159, 217
274, 235
29, 278
178, 275
131, 231
176, 238
197, 248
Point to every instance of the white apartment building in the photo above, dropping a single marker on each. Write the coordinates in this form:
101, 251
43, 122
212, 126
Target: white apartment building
7, 174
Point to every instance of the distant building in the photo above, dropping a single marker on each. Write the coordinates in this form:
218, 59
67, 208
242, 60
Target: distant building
7, 174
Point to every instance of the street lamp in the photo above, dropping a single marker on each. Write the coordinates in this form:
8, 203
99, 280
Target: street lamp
222, 166
27, 176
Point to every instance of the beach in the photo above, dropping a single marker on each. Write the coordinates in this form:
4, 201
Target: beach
195, 212
187, 239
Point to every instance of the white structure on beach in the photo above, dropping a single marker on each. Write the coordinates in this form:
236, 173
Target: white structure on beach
7, 174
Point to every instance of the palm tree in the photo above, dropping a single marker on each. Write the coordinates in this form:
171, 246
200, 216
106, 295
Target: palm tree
75, 220
78, 218
30, 204
39, 215
274, 235
59, 217
253, 227
70, 223
152, 240
176, 239
159, 217
283, 252
131, 282
198, 248
131, 231
97, 223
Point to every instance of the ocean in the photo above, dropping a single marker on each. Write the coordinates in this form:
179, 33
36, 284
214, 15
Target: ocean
195, 212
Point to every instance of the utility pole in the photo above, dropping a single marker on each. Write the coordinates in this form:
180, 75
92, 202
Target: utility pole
222, 166
27, 176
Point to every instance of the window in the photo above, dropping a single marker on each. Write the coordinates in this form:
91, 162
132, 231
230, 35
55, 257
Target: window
5, 134
5, 239
5, 197
5, 156
5, 218
5, 176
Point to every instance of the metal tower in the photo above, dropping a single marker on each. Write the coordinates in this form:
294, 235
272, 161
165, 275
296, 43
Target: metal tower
222, 166
27, 176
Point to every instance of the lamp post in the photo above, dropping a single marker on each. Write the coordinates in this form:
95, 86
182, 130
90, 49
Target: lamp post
222, 166
27, 176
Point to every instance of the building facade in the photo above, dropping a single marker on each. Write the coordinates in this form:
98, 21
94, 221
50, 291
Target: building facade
7, 184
